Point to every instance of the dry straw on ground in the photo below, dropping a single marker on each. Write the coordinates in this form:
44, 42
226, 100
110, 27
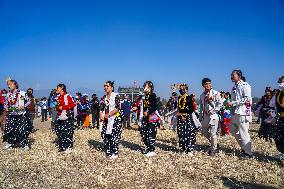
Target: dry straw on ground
87, 167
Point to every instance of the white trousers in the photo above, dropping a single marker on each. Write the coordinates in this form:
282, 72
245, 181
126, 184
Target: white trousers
240, 130
209, 130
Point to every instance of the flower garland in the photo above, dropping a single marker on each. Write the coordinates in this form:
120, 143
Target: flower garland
12, 100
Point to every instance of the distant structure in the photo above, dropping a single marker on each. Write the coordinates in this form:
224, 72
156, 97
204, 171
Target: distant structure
132, 92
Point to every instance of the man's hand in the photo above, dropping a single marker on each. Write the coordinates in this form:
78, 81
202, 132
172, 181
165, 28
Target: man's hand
210, 98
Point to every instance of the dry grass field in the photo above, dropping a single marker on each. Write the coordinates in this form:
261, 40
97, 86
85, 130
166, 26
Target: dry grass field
87, 167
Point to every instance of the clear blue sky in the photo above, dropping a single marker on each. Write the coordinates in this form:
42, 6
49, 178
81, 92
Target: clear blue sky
83, 43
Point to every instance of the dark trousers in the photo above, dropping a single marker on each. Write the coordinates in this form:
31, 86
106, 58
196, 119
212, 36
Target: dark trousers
148, 132
80, 119
64, 131
279, 135
137, 118
44, 115
265, 130
17, 129
2, 120
95, 119
126, 121
31, 116
186, 131
111, 141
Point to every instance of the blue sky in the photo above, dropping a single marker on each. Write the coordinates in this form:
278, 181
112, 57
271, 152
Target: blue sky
84, 43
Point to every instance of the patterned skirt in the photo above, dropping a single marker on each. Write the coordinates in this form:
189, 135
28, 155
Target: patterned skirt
17, 129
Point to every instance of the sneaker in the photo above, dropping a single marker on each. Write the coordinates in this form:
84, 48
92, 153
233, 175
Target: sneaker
150, 154
247, 156
60, 150
7, 146
26, 148
213, 152
34, 130
279, 156
68, 151
113, 156
145, 151
209, 151
190, 154
181, 151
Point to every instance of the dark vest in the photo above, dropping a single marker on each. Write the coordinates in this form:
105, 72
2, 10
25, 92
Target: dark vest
280, 98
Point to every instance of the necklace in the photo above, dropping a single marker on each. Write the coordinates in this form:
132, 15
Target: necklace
278, 99
182, 101
146, 101
13, 100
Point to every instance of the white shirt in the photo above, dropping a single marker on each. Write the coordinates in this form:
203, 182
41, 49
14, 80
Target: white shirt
211, 107
111, 104
44, 104
241, 99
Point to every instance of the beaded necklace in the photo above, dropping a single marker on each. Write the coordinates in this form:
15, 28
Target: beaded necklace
182, 101
278, 99
146, 101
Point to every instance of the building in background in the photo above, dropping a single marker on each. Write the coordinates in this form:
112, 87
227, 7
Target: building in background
132, 92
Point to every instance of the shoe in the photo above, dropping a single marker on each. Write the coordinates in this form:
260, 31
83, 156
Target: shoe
60, 150
190, 154
68, 151
33, 130
247, 156
113, 156
181, 151
209, 151
150, 154
213, 152
145, 151
26, 148
279, 156
7, 146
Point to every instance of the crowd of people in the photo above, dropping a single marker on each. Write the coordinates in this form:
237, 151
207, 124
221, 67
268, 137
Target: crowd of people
269, 111
212, 113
